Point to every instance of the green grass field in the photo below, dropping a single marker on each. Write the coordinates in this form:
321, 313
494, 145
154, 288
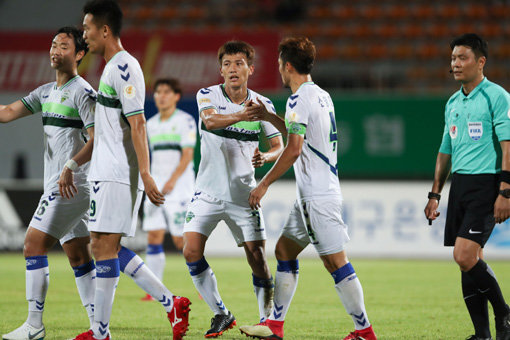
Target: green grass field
404, 299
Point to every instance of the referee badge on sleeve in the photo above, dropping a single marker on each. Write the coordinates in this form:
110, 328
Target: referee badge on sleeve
453, 131
475, 130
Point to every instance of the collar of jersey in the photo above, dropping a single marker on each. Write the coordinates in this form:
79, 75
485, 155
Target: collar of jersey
66, 84
475, 90
116, 54
171, 116
230, 100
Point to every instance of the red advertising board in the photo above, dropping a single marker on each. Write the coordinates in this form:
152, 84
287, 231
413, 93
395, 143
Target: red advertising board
190, 57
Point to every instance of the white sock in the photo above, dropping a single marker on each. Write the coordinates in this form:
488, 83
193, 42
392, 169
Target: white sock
37, 282
106, 282
264, 289
85, 277
133, 266
155, 259
286, 280
349, 290
205, 282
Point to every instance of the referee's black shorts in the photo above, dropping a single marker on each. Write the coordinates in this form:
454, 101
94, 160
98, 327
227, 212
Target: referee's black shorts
471, 208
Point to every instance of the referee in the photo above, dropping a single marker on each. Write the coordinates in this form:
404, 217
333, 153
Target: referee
476, 148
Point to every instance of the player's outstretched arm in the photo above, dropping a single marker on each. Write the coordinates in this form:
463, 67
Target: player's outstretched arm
284, 162
502, 204
260, 112
186, 157
139, 137
261, 158
213, 121
13, 111
66, 184
443, 166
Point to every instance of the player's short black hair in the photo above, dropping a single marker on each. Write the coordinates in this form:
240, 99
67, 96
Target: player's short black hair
77, 35
105, 12
479, 46
173, 83
237, 46
299, 52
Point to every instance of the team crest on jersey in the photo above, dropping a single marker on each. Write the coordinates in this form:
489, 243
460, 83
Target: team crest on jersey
189, 216
453, 131
64, 97
129, 91
475, 130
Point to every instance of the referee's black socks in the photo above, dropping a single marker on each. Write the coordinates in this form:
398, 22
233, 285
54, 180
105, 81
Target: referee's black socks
477, 306
485, 280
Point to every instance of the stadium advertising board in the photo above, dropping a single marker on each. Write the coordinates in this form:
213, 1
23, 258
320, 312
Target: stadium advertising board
191, 57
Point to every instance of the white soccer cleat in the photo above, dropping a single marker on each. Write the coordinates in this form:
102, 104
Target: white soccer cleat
25, 332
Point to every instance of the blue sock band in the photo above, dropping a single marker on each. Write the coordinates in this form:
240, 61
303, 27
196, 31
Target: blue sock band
343, 272
36, 262
197, 267
291, 266
84, 268
153, 249
125, 255
262, 283
107, 268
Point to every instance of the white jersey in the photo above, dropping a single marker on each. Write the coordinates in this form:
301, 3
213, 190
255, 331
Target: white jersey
167, 139
310, 112
121, 94
66, 111
225, 170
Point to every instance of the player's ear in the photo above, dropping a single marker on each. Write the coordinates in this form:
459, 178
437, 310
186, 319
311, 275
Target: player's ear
79, 55
106, 31
481, 61
252, 69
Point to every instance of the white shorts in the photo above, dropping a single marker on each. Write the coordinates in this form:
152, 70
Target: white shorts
114, 208
62, 218
169, 216
204, 213
318, 222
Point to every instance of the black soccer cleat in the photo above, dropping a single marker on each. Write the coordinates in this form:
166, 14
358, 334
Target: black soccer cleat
474, 337
503, 328
220, 324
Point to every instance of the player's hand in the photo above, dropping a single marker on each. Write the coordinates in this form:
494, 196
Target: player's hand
501, 209
431, 212
66, 185
259, 159
256, 196
248, 105
257, 112
168, 187
154, 195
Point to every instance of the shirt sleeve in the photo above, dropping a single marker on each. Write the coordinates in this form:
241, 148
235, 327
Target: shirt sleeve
205, 100
446, 143
130, 85
269, 130
501, 118
189, 133
86, 103
33, 101
296, 117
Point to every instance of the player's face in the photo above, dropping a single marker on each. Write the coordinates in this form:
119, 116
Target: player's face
62, 52
235, 70
465, 66
165, 97
93, 35
283, 73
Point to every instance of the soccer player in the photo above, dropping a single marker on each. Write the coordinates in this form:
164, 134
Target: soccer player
229, 149
317, 214
119, 171
172, 137
67, 107
477, 117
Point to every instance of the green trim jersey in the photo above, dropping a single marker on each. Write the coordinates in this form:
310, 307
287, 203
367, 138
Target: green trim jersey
166, 140
121, 94
474, 126
66, 111
310, 113
225, 170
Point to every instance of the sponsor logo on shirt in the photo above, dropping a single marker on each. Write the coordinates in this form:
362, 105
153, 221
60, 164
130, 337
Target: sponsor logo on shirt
475, 130
129, 91
453, 131
204, 100
293, 116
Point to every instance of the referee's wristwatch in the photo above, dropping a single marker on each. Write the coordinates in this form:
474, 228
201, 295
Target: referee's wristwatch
505, 193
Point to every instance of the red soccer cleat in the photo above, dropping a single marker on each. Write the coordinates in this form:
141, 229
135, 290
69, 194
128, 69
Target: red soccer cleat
147, 297
268, 330
178, 317
89, 335
363, 334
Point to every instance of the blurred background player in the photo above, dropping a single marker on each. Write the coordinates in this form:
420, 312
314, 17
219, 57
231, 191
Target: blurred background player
229, 148
120, 162
317, 214
172, 137
67, 107
476, 118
